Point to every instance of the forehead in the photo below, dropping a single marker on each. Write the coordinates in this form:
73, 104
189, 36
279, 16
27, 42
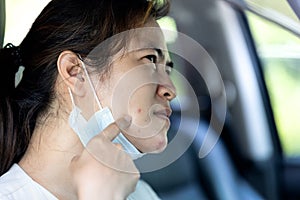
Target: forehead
148, 37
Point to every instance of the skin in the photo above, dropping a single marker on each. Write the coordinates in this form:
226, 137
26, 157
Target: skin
149, 85
56, 158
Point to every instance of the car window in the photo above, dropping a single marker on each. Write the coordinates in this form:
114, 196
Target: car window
279, 53
27, 11
280, 6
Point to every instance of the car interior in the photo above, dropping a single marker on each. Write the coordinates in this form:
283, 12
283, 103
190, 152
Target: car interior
216, 176
247, 161
244, 156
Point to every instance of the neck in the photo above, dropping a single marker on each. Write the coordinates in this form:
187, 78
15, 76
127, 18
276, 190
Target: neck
51, 149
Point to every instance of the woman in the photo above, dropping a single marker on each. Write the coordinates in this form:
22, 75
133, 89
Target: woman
81, 60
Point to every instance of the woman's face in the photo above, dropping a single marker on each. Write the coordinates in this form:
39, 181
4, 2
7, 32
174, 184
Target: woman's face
139, 85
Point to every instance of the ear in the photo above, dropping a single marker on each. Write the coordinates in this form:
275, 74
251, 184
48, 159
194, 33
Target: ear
69, 68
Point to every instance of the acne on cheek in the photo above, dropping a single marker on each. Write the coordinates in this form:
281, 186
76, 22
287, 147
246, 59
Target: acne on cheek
140, 112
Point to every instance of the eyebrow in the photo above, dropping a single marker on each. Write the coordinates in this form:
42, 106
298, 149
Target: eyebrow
162, 55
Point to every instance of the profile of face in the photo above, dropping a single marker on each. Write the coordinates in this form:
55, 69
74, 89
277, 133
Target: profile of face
139, 85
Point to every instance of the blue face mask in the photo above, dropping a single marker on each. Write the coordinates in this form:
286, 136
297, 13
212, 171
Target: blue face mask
87, 129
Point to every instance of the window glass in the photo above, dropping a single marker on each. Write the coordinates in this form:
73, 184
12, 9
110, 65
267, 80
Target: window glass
280, 6
20, 15
279, 51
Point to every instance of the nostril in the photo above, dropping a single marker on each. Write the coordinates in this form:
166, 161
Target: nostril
167, 94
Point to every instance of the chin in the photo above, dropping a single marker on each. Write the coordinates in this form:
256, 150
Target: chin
161, 145
155, 144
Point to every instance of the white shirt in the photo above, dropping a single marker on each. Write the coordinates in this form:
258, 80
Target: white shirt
17, 185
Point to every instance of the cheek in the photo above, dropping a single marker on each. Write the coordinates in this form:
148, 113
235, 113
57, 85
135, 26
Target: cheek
140, 106
140, 115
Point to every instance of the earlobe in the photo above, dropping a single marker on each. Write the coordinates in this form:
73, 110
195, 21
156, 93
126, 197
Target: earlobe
71, 73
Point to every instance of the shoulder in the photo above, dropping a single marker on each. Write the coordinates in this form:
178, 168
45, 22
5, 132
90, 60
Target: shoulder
12, 181
143, 191
16, 184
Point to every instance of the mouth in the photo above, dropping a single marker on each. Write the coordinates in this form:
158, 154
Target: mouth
163, 113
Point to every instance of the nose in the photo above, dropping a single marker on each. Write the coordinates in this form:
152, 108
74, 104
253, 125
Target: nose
166, 90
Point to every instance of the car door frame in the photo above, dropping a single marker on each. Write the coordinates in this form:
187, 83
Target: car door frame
2, 21
288, 168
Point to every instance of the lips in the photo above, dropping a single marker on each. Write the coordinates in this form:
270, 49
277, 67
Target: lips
163, 113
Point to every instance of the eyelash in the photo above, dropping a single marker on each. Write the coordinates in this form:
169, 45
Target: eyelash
150, 57
168, 69
153, 59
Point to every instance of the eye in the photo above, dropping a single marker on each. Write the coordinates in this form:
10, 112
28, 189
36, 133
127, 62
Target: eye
151, 58
168, 69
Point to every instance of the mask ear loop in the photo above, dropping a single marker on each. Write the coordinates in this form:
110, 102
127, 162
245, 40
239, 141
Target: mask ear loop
90, 83
72, 98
